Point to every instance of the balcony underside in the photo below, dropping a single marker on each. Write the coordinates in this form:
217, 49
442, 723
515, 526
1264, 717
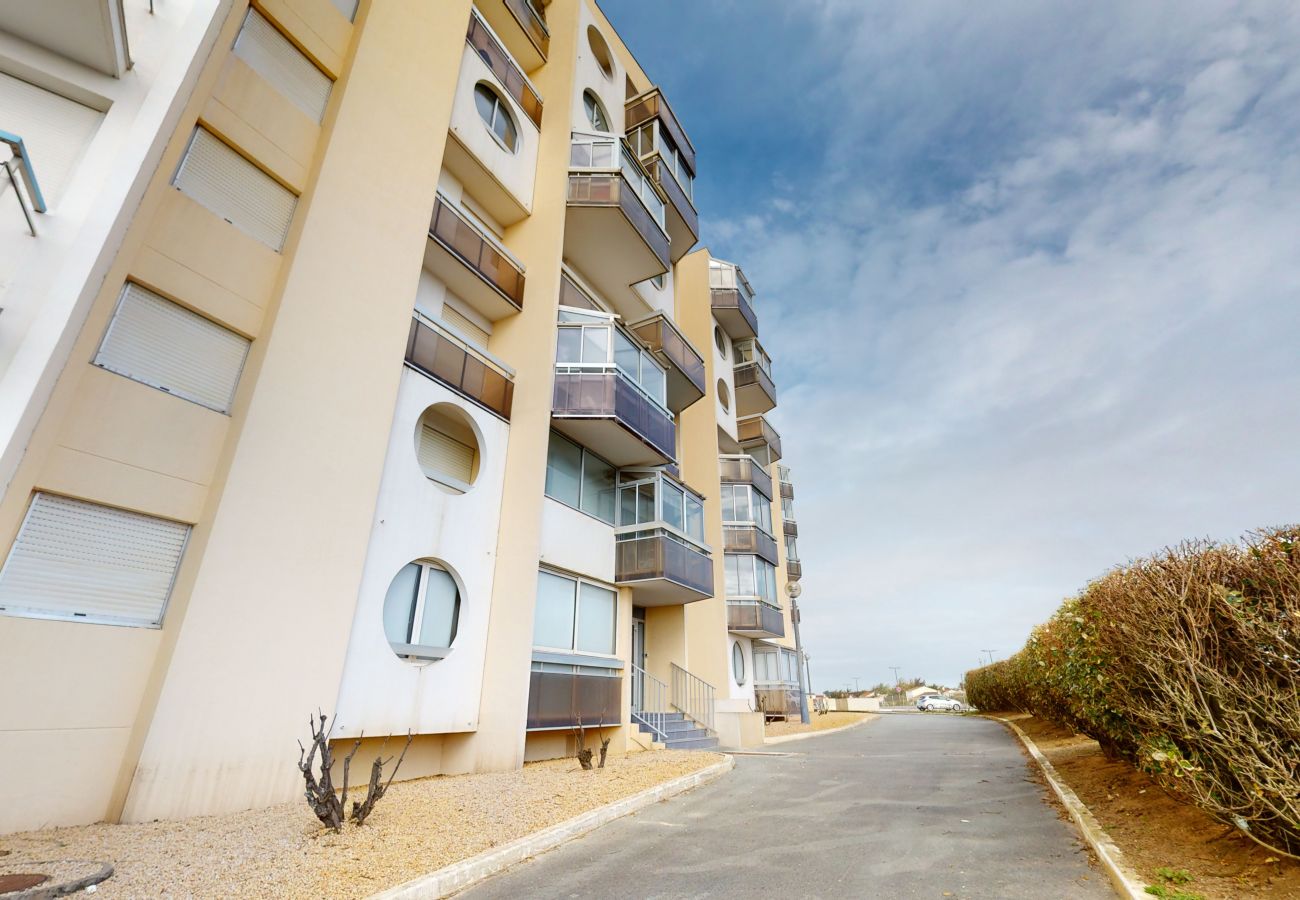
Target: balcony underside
755, 620
793, 569
482, 185
662, 571
519, 28
734, 313
684, 365
612, 252
755, 391
89, 32
471, 268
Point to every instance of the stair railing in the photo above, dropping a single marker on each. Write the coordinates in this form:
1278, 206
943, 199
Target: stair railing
694, 697
650, 701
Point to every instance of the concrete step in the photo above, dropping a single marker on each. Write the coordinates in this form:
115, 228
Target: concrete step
699, 743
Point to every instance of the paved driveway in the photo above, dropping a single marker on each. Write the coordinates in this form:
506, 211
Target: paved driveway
906, 806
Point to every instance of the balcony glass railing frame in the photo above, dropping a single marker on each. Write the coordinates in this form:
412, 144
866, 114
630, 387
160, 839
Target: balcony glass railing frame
455, 362
637, 476
485, 43
739, 468
756, 429
446, 210
600, 160
653, 105
765, 618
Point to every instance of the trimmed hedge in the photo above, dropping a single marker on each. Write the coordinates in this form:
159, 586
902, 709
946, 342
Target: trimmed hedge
1187, 664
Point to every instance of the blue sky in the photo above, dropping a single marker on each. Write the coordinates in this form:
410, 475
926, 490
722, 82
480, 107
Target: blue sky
1030, 277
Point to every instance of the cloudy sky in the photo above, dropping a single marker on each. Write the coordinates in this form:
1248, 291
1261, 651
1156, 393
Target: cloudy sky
1030, 276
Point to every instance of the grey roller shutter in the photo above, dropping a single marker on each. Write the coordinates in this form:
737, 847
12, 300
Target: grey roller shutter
271, 55
442, 456
154, 341
235, 189
55, 130
78, 560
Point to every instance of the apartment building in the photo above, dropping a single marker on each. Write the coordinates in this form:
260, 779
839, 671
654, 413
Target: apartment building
356, 356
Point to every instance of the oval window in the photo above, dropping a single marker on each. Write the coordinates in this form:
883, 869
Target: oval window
496, 116
595, 111
738, 662
720, 340
724, 396
600, 50
422, 611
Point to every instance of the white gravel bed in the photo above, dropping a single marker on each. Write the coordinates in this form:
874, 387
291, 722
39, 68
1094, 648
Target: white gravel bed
282, 851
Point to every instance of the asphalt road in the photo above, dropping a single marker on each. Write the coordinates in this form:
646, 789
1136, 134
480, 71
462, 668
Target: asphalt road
906, 806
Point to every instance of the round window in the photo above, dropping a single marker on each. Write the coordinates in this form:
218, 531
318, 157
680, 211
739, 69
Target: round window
600, 50
720, 340
447, 447
495, 113
738, 662
595, 111
422, 611
724, 396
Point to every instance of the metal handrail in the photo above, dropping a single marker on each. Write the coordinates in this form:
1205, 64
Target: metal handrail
650, 701
694, 697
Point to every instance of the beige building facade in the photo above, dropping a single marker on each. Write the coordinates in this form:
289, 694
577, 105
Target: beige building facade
359, 356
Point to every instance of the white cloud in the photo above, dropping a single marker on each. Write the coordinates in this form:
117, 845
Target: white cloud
1034, 310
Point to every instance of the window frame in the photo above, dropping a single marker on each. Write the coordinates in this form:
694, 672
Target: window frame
502, 107
582, 479
737, 663
573, 650
595, 109
415, 623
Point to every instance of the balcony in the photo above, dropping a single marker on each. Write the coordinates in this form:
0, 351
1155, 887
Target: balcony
755, 389
609, 414
755, 618
434, 351
756, 434
663, 569
787, 490
793, 569
777, 701
517, 85
684, 365
472, 264
745, 470
521, 25
749, 539
662, 145
614, 231
732, 300
89, 32
790, 528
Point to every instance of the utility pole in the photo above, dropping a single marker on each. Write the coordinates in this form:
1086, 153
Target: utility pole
857, 686
895, 668
990, 653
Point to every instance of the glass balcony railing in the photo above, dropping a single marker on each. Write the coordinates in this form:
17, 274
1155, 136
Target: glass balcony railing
532, 22
794, 569
683, 362
732, 299
787, 490
442, 356
790, 528
620, 182
658, 555
517, 85
748, 538
461, 237
653, 105
755, 618
741, 469
607, 393
757, 430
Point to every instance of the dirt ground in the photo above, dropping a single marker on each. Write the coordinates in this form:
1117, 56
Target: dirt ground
1155, 832
818, 723
282, 851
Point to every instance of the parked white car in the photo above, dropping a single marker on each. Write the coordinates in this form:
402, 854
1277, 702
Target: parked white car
934, 701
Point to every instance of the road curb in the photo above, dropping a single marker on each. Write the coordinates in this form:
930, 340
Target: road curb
456, 877
802, 736
1127, 883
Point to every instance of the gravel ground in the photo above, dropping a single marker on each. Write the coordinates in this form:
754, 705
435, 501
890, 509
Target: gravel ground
282, 851
818, 723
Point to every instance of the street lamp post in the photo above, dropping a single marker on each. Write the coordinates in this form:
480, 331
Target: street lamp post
792, 590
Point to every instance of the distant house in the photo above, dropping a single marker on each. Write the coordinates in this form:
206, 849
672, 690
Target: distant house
921, 691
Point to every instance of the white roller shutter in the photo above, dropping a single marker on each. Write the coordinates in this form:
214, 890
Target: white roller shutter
271, 55
55, 130
464, 325
235, 189
442, 456
154, 341
93, 563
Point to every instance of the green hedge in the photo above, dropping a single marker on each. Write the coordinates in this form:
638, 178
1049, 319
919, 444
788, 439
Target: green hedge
1188, 665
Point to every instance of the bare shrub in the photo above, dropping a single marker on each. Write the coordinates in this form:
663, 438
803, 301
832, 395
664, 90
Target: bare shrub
326, 803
